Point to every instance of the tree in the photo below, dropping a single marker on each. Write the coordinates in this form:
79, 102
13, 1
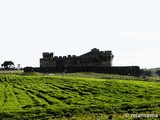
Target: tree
7, 64
148, 73
145, 72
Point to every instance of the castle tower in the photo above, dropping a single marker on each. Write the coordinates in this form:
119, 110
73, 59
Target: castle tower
109, 58
47, 60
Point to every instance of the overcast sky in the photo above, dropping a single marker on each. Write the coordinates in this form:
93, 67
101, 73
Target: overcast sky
130, 28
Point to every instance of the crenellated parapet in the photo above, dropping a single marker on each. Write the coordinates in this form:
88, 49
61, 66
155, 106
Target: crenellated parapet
94, 58
65, 57
47, 55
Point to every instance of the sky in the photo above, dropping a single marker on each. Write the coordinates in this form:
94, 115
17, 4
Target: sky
130, 28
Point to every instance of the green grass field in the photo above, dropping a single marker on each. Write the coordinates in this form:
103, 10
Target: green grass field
75, 96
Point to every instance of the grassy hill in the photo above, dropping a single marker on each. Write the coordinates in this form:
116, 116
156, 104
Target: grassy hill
75, 96
153, 70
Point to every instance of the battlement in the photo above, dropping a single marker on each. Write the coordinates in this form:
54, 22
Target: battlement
94, 58
64, 57
97, 51
94, 50
47, 55
108, 52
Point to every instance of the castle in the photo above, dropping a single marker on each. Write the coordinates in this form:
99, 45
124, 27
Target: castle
93, 61
94, 58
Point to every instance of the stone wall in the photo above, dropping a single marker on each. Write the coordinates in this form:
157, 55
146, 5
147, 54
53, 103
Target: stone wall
128, 70
94, 58
93, 61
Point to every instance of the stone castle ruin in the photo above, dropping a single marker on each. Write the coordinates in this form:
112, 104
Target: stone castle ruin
93, 61
94, 58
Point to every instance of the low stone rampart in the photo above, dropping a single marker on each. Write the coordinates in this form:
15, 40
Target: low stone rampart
126, 70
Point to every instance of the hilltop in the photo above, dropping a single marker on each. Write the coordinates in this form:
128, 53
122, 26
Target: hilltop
153, 70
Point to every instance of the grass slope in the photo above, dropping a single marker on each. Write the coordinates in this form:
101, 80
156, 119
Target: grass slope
153, 70
29, 97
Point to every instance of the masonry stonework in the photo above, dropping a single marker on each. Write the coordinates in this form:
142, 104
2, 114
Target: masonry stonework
93, 61
94, 58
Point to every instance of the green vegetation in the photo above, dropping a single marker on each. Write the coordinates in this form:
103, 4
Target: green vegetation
75, 96
153, 70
